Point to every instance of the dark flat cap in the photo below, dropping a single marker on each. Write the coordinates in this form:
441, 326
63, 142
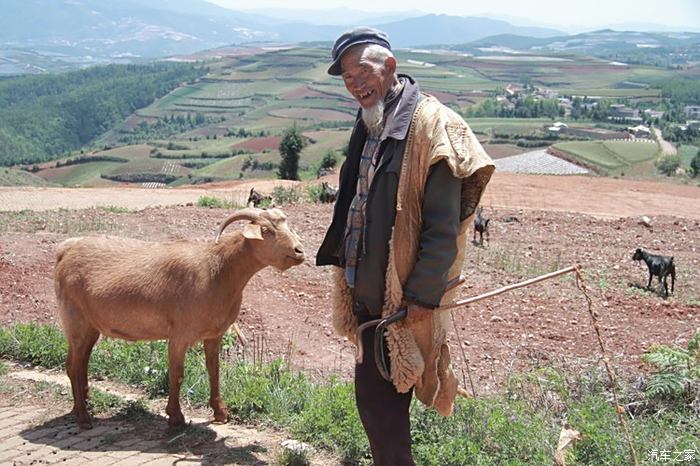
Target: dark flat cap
359, 35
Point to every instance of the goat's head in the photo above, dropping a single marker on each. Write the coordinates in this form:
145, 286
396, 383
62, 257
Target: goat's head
273, 241
638, 255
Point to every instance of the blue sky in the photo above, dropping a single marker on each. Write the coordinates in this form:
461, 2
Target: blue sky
558, 13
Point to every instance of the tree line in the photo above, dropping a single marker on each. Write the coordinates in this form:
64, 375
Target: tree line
45, 116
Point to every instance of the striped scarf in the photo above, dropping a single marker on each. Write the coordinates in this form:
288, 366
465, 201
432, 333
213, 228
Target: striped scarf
354, 233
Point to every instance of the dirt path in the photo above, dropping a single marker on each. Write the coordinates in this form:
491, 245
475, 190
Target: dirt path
602, 197
666, 147
37, 428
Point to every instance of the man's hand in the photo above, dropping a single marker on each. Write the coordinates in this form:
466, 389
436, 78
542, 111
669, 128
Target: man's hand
418, 313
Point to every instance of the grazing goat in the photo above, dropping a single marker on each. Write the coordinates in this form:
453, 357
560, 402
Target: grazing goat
182, 291
328, 193
255, 198
481, 226
323, 172
661, 266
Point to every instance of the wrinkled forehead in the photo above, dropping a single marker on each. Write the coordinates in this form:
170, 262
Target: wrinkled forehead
356, 55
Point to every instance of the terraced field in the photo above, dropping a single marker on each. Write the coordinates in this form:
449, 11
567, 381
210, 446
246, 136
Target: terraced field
263, 92
611, 155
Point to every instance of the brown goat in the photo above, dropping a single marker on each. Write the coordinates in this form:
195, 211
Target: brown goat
182, 291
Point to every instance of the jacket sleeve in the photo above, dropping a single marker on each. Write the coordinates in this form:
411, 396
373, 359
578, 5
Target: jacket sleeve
438, 240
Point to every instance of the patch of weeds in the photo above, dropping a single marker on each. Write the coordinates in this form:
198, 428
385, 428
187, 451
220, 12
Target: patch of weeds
144, 364
282, 195
3, 368
115, 209
41, 345
101, 402
330, 420
313, 192
675, 382
134, 410
693, 302
288, 457
212, 202
255, 391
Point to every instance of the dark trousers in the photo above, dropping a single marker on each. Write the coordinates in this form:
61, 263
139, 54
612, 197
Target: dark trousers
384, 412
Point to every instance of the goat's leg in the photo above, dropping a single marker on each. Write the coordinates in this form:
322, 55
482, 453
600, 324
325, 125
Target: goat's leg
211, 350
649, 283
673, 280
79, 348
176, 372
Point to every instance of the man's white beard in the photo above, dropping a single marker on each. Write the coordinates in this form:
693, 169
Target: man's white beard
374, 118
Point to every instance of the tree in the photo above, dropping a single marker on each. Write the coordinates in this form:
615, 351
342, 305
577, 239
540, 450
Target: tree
329, 160
695, 164
290, 147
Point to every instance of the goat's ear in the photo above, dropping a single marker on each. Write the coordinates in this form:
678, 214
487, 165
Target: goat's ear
252, 231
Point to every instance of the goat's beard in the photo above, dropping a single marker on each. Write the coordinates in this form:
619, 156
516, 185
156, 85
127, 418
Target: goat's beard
374, 118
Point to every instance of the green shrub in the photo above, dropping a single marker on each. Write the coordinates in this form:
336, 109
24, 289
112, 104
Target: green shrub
282, 195
102, 402
330, 420
676, 379
215, 203
41, 345
668, 164
291, 458
313, 193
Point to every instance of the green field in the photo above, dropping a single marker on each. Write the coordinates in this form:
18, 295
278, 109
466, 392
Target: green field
271, 91
485, 125
611, 155
686, 153
14, 177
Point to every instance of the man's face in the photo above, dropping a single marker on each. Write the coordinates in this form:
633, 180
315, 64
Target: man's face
367, 81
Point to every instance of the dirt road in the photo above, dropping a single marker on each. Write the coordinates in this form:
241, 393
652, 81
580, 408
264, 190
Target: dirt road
666, 147
601, 197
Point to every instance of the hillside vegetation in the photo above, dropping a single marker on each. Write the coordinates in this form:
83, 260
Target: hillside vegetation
44, 116
178, 124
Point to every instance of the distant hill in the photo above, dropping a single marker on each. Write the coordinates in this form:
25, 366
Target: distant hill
444, 29
650, 48
49, 35
47, 115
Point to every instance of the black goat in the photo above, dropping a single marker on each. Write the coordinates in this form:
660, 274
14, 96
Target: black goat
481, 225
328, 193
323, 172
255, 198
661, 266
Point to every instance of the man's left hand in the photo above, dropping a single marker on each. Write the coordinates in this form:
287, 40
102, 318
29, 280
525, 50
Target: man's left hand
418, 313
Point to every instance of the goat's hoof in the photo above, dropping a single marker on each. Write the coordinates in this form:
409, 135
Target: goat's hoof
176, 421
221, 416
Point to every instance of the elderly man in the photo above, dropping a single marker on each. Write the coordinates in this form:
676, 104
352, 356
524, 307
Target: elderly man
412, 179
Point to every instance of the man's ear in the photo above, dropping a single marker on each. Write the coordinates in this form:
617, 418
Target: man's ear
252, 231
390, 64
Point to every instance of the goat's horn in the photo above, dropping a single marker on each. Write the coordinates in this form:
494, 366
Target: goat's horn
250, 214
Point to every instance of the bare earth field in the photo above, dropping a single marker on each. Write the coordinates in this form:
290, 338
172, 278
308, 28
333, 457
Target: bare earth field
539, 224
